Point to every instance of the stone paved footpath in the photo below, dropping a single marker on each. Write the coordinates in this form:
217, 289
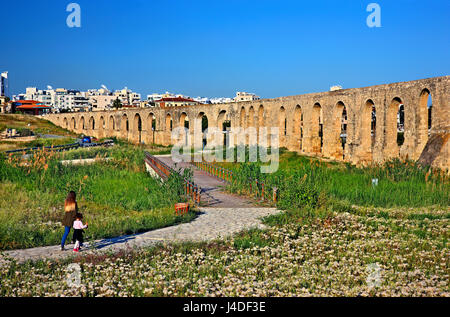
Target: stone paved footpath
211, 223
223, 216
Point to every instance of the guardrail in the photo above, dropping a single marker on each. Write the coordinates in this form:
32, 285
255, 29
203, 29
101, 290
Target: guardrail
262, 192
216, 171
59, 148
256, 187
191, 189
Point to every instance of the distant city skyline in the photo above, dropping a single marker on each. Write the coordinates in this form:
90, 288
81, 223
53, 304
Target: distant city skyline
213, 49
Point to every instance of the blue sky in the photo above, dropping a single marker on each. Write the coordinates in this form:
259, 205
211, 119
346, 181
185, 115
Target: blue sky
215, 48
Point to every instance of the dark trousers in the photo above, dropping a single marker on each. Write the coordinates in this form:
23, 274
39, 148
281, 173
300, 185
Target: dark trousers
78, 235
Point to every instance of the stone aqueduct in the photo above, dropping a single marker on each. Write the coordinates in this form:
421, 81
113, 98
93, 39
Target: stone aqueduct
310, 124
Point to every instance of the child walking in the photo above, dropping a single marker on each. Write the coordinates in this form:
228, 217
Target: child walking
78, 227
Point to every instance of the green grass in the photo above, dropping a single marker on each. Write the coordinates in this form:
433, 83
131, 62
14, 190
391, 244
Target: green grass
29, 125
33, 123
117, 197
300, 181
323, 244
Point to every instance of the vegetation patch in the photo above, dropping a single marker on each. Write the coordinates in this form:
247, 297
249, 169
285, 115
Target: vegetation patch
300, 181
340, 254
116, 197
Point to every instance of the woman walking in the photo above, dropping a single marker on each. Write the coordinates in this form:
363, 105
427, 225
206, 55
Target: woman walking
71, 210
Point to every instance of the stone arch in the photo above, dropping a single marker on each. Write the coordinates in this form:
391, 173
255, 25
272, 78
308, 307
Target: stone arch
201, 125
112, 124
368, 129
65, 123
338, 131
242, 118
124, 127
73, 123
425, 123
169, 122
151, 128
92, 124
252, 135
394, 130
224, 125
82, 123
316, 129
222, 119
261, 117
184, 123
137, 129
168, 128
184, 120
282, 126
251, 117
298, 128
101, 127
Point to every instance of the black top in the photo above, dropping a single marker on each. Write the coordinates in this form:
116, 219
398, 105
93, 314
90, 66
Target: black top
69, 218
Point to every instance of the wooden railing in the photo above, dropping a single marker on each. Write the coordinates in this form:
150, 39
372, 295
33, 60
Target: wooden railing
191, 189
261, 191
256, 187
214, 170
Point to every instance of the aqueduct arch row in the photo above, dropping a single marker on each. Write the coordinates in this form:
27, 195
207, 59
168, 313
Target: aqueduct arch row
359, 125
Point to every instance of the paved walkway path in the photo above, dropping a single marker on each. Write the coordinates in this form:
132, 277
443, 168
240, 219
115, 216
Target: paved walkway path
212, 188
224, 215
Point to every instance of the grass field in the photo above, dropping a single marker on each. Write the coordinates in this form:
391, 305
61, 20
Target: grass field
301, 180
337, 236
35, 125
117, 197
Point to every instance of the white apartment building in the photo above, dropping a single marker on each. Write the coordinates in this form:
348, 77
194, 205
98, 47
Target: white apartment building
73, 100
245, 96
59, 99
102, 102
128, 97
101, 99
156, 96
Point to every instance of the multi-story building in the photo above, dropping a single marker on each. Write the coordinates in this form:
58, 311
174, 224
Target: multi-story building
59, 99
175, 102
73, 100
127, 97
3, 83
102, 102
101, 99
245, 96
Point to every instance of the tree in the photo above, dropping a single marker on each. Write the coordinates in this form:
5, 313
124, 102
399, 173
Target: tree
117, 104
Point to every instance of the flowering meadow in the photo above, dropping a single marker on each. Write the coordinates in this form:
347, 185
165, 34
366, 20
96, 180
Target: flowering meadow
358, 252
